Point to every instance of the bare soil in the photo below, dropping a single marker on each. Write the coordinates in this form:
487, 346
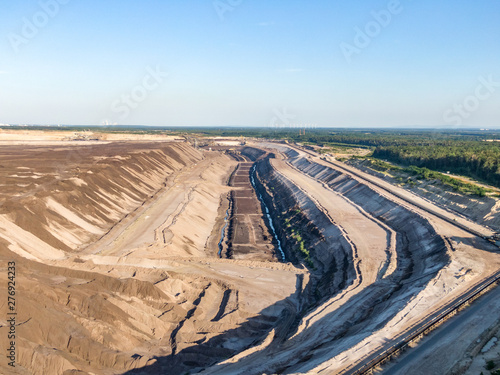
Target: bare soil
113, 264
118, 272
248, 236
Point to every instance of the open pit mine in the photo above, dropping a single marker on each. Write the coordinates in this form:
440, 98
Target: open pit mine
159, 257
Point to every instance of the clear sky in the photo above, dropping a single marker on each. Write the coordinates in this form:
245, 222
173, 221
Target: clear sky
340, 63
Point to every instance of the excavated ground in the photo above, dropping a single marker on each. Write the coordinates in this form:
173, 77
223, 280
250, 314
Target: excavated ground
482, 210
248, 236
116, 267
378, 266
117, 248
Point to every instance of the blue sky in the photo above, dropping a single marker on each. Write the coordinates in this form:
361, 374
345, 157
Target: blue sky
338, 63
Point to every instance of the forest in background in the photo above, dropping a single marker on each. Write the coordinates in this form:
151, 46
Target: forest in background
471, 153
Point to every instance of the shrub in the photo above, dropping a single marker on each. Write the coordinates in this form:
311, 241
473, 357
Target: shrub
490, 365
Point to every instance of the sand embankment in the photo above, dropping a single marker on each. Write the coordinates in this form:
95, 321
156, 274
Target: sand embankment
407, 264
113, 267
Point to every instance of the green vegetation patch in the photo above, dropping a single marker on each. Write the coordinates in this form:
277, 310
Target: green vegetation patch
456, 184
293, 228
425, 174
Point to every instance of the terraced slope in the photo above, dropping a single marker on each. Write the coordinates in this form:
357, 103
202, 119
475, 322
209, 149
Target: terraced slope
59, 199
118, 267
377, 266
114, 268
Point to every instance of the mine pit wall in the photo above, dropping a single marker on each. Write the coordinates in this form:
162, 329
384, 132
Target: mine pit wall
115, 318
420, 249
330, 257
88, 190
421, 252
482, 210
252, 153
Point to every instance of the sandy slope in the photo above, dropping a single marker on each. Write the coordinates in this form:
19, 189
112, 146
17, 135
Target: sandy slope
115, 247
423, 288
110, 244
